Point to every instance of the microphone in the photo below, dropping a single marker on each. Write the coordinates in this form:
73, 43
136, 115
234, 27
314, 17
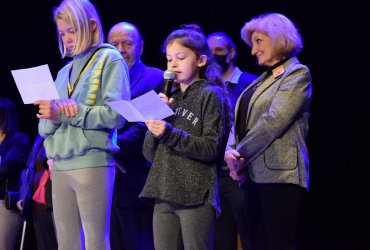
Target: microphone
169, 77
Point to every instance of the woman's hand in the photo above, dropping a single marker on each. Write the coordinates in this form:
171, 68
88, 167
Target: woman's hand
20, 204
235, 163
234, 160
238, 176
157, 127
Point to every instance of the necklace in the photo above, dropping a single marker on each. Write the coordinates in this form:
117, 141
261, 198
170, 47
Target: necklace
72, 87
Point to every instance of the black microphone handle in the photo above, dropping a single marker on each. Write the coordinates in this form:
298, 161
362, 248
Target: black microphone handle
167, 87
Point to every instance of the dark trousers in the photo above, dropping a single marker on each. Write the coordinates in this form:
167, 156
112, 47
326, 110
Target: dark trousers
233, 218
273, 212
45, 231
131, 227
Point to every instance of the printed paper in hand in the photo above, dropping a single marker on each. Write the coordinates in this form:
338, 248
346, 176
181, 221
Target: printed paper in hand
35, 84
144, 107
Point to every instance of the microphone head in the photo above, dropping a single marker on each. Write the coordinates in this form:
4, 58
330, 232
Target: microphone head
169, 75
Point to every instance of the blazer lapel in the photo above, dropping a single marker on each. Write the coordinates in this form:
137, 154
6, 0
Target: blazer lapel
273, 78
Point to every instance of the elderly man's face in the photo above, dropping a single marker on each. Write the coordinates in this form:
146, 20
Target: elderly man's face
126, 41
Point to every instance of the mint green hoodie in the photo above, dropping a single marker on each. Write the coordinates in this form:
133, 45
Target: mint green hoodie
89, 138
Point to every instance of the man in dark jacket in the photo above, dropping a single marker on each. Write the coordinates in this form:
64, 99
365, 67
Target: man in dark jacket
131, 219
232, 219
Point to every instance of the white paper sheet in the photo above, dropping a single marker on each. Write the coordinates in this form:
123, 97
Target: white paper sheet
144, 107
35, 83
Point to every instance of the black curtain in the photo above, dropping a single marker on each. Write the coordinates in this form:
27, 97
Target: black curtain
331, 214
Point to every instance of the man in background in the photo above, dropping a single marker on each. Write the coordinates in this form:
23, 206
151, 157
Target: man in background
131, 219
232, 221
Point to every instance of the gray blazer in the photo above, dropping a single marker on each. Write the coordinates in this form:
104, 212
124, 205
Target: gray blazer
277, 126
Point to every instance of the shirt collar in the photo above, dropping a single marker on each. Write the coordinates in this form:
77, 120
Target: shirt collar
235, 75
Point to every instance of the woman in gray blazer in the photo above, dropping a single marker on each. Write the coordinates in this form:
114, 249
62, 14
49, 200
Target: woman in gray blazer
266, 151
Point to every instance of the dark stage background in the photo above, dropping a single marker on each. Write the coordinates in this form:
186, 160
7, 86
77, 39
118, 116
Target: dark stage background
331, 215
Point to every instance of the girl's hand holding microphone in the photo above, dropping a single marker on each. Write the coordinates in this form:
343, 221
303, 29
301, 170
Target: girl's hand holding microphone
166, 99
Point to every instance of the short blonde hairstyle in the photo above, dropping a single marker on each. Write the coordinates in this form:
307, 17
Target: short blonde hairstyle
80, 14
279, 28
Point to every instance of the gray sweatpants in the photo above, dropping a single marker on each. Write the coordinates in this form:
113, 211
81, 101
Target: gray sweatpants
82, 201
10, 226
193, 225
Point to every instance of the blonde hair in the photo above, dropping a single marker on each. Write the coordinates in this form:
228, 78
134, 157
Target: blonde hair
80, 14
279, 28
